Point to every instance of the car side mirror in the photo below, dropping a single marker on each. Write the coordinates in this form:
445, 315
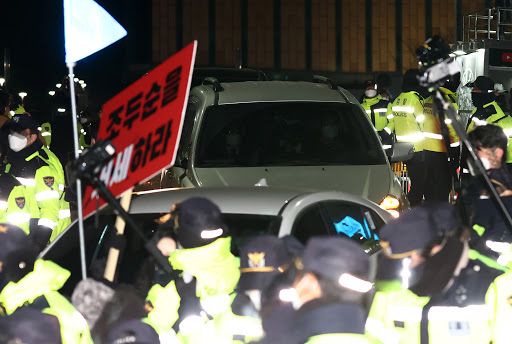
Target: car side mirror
402, 151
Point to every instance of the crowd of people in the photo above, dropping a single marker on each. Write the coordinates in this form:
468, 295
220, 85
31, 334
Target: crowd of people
442, 275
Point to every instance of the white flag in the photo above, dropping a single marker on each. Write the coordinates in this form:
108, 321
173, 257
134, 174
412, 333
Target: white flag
88, 28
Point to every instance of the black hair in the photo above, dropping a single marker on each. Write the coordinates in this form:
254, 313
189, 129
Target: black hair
410, 81
489, 136
125, 304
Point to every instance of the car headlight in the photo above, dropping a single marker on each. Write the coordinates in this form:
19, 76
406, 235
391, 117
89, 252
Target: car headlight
391, 204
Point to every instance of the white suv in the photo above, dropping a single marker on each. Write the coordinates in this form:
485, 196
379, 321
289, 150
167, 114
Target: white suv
306, 135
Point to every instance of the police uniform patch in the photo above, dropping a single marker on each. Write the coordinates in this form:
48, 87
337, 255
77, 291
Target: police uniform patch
48, 181
20, 202
256, 259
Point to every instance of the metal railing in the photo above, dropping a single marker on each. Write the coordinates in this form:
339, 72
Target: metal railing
495, 24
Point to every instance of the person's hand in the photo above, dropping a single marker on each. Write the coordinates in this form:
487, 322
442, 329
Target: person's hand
166, 245
506, 193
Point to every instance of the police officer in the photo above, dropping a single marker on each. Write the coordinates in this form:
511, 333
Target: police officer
26, 281
195, 300
487, 111
440, 145
408, 117
262, 259
330, 286
36, 204
449, 293
376, 108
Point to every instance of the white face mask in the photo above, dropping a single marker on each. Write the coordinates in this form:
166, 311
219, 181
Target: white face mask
330, 131
17, 141
486, 163
370, 93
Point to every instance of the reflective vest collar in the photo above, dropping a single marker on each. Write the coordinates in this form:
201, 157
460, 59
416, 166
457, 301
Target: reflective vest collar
316, 317
372, 101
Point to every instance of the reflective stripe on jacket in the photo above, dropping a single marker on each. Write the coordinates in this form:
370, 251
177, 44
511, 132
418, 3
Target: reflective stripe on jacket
377, 110
475, 309
433, 138
408, 118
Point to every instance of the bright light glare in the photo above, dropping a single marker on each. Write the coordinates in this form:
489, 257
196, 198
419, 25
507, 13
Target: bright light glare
52, 93
22, 95
58, 85
61, 110
354, 283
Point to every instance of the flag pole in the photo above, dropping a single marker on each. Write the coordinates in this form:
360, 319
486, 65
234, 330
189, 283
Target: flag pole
71, 77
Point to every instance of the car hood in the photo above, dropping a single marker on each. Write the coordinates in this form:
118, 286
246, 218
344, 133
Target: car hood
371, 182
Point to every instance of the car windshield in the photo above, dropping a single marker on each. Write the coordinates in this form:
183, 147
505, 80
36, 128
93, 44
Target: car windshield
286, 134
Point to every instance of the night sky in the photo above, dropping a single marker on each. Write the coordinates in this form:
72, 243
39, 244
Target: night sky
33, 31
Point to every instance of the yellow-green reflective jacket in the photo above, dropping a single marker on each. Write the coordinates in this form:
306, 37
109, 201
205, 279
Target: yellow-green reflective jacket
19, 207
44, 282
217, 272
214, 267
40, 196
238, 328
493, 114
407, 116
165, 302
46, 133
433, 140
377, 110
475, 309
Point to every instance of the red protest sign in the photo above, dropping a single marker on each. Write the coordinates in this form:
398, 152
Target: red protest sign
144, 124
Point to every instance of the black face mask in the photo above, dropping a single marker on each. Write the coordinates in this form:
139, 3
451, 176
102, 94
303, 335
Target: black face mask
433, 275
479, 99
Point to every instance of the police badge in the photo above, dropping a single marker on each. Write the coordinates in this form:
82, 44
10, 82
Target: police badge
20, 202
48, 181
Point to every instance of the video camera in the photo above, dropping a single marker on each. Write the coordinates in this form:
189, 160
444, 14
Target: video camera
436, 65
89, 164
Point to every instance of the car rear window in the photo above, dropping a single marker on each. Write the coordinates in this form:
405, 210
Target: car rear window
286, 134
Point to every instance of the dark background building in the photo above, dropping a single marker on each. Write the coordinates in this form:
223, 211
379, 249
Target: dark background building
347, 40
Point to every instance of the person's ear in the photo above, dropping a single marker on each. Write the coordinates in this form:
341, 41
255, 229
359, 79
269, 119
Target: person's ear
499, 153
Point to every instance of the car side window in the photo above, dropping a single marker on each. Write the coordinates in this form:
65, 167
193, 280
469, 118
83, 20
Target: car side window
309, 223
188, 125
353, 221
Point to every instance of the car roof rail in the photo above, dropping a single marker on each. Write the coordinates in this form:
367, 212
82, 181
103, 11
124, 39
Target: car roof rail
214, 82
325, 80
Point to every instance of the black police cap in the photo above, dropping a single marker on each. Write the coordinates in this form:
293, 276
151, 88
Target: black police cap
261, 259
199, 222
332, 257
484, 83
21, 122
12, 238
132, 331
417, 228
